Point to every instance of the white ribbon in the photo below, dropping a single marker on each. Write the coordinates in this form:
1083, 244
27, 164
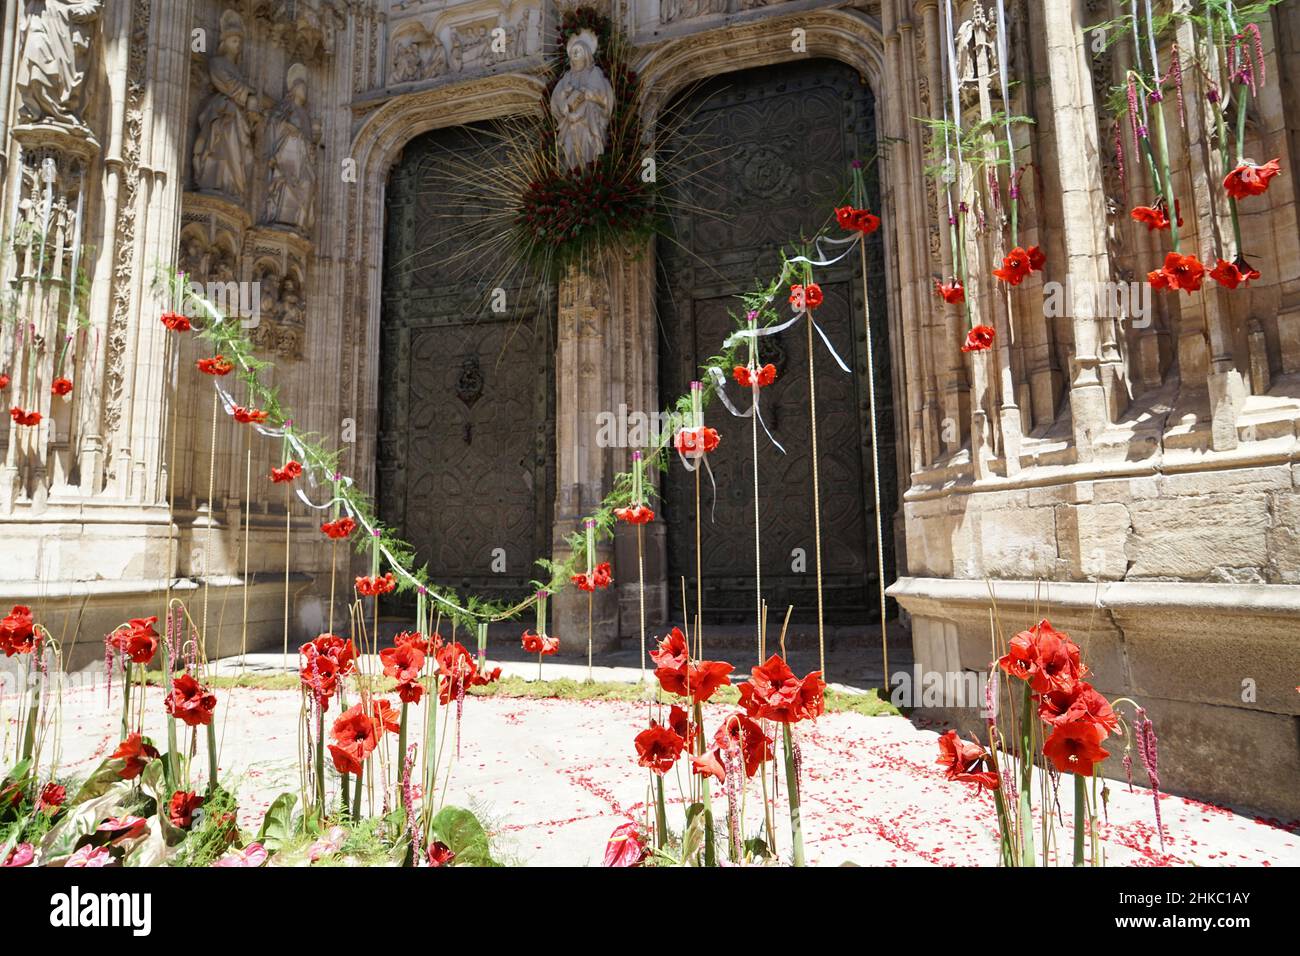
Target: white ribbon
720, 387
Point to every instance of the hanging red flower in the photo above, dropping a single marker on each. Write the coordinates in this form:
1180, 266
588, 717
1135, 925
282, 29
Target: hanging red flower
181, 807
963, 760
1019, 263
18, 631
694, 442
951, 292
1250, 179
626, 847
859, 220
806, 297
658, 748
979, 339
1045, 657
217, 365
635, 514
191, 702
1235, 273
539, 644
176, 322
762, 376
373, 587
21, 417
741, 733
1179, 272
1157, 217
61, 386
680, 722
135, 752
1076, 747
338, 529
246, 416
287, 472
355, 737
600, 578
136, 639
774, 693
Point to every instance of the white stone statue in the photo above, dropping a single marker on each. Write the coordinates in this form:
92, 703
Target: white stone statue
291, 175
55, 38
223, 149
581, 104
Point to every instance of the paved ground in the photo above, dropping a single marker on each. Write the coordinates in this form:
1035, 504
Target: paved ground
553, 778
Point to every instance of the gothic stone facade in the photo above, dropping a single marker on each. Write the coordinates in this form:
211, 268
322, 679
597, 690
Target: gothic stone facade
1134, 481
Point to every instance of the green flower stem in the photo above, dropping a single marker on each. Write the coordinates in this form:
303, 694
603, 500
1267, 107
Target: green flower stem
170, 765
1162, 140
1004, 828
1027, 718
33, 709
356, 794
320, 761
710, 851
1080, 815
126, 701
401, 742
792, 785
212, 753
661, 813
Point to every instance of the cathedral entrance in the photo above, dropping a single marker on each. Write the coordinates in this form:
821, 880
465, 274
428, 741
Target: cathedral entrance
467, 416
778, 142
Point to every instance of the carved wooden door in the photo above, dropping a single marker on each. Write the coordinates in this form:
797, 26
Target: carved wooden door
777, 143
466, 462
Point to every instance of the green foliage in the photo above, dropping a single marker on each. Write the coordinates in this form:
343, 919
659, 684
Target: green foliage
212, 833
277, 828
462, 833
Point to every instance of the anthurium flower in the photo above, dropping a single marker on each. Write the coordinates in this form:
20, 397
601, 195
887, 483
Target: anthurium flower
373, 587
121, 829
327, 845
979, 339
176, 322
191, 702
774, 693
1019, 263
539, 644
21, 417
762, 376
806, 297
253, 855
658, 748
635, 514
20, 855
180, 810
339, 529
61, 386
90, 856
247, 416
1232, 274
859, 220
694, 442
135, 752
355, 736
52, 797
1076, 747
287, 472
1045, 657
739, 732
18, 631
440, 854
963, 760
1078, 703
1250, 179
626, 847
1179, 272
951, 292
217, 365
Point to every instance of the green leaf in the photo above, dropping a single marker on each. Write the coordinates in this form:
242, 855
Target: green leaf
693, 838
82, 819
756, 847
464, 836
277, 825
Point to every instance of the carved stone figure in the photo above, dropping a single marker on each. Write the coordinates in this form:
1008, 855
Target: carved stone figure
407, 65
291, 176
223, 149
55, 38
581, 104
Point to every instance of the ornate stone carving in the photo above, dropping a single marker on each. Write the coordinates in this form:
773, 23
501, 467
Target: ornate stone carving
671, 11
291, 173
55, 41
223, 149
306, 29
581, 104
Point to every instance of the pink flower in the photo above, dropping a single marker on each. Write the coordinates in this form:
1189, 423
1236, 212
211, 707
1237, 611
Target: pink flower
328, 845
20, 855
625, 847
89, 856
252, 855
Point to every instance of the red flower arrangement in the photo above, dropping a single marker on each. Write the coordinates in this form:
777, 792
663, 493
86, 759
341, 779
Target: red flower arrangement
457, 672
979, 339
859, 220
191, 702
760, 377
135, 753
677, 674
806, 297
18, 631
1019, 263
1235, 273
600, 578
1044, 657
338, 529
1250, 179
21, 417
176, 322
61, 386
404, 663
658, 748
217, 365
1179, 272
136, 639
355, 738
326, 660
963, 760
744, 735
286, 472
635, 514
693, 442
247, 416
373, 587
774, 693
951, 292
539, 644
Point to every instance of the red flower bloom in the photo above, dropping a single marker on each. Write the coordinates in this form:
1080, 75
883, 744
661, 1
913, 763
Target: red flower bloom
1179, 272
18, 631
340, 529
191, 701
806, 297
679, 722
286, 473
328, 659
21, 417
180, 810
355, 737
762, 377
136, 639
1248, 179
859, 220
4, 381
774, 693
385, 715
1044, 657
1078, 703
373, 587
1076, 747
979, 339
176, 322
417, 640
217, 365
52, 797
951, 292
673, 652
962, 760
403, 663
440, 854
456, 671
483, 678
135, 752
658, 748
1019, 263
247, 416
61, 386
698, 680
740, 732
1232, 274
537, 644
709, 764
600, 578
1157, 216
625, 847
635, 514
694, 442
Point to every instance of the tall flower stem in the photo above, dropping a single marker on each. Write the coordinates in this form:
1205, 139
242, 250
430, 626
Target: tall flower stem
320, 758
710, 851
212, 753
1027, 718
661, 812
356, 795
126, 701
1080, 816
792, 785
401, 732
288, 527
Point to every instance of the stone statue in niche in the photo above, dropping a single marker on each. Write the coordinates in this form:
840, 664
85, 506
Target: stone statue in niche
407, 65
223, 149
581, 104
291, 176
55, 38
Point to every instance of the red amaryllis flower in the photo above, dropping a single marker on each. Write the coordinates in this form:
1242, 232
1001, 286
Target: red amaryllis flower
135, 752
417, 640
625, 847
679, 722
287, 472
658, 748
635, 514
1076, 747
1249, 179
18, 631
61, 386
180, 810
709, 764
1019, 263
440, 854
402, 663
373, 587
1179, 272
1079, 703
746, 735
21, 417
774, 693
1157, 216
385, 715
191, 701
694, 442
979, 339
410, 692
456, 671
176, 322
247, 416
539, 644
806, 296
1045, 657
355, 736
136, 639
698, 680
483, 678
859, 220
4, 382
1232, 274
339, 529
327, 660
217, 365
761, 377
963, 760
951, 292
600, 578
52, 797
672, 652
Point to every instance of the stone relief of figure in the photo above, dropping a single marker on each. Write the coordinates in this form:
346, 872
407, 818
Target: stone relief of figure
437, 59
193, 259
223, 149
581, 104
291, 175
407, 63
55, 39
